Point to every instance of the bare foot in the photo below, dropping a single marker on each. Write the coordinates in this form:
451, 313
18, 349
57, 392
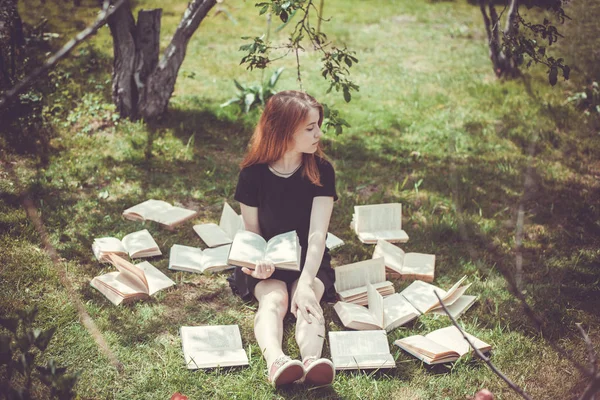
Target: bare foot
484, 394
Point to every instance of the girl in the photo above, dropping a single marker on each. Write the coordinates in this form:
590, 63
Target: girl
286, 184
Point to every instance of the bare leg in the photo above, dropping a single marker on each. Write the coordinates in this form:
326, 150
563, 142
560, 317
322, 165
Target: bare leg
310, 336
272, 299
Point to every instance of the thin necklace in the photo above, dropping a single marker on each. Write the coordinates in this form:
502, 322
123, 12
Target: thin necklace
286, 174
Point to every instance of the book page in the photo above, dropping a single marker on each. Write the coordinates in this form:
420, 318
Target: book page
375, 304
112, 288
361, 291
172, 215
451, 338
247, 248
107, 245
393, 236
156, 279
360, 349
212, 234
215, 258
420, 295
185, 258
457, 308
358, 274
419, 264
378, 217
230, 221
451, 298
393, 256
143, 210
424, 346
454, 287
333, 241
140, 241
212, 346
397, 311
349, 313
283, 248
130, 274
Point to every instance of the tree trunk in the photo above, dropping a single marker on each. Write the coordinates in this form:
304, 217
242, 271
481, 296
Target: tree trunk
142, 86
503, 63
11, 41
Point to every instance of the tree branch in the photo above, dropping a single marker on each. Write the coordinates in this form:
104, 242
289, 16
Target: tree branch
63, 52
482, 356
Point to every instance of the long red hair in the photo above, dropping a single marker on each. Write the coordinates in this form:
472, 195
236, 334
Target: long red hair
274, 134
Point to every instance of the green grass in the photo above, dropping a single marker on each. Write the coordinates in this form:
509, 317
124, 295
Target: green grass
431, 127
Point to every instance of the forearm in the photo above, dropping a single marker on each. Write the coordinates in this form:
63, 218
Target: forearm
314, 256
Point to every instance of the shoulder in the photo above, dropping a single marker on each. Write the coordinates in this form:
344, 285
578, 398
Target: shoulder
252, 171
324, 165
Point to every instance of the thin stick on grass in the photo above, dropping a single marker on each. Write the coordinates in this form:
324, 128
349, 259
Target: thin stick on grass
486, 359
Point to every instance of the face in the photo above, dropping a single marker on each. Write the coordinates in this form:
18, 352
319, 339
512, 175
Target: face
308, 134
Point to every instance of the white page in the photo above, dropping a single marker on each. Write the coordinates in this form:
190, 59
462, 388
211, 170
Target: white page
230, 221
451, 338
216, 257
358, 274
112, 287
388, 235
129, 273
397, 311
458, 307
172, 215
422, 347
189, 258
380, 286
156, 279
421, 295
451, 298
360, 349
145, 209
283, 248
393, 255
247, 247
212, 346
378, 217
139, 241
375, 304
212, 234
107, 245
333, 241
419, 264
349, 312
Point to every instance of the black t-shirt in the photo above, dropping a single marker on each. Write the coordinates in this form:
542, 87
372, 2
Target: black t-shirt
284, 204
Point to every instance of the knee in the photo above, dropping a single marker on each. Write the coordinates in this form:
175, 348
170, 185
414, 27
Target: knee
273, 297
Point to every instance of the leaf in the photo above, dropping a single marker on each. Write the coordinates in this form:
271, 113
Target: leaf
284, 16
10, 323
553, 75
41, 341
566, 72
347, 95
264, 10
248, 101
231, 101
348, 61
275, 77
238, 85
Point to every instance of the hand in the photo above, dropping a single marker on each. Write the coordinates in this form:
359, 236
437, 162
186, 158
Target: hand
263, 270
306, 302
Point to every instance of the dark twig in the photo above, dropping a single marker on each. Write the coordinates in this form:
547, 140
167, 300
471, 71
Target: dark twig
486, 359
63, 52
593, 357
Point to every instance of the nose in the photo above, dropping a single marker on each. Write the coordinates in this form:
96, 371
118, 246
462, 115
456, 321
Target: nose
318, 133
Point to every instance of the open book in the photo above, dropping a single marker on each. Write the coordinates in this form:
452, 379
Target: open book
407, 266
379, 221
217, 235
137, 245
360, 350
421, 295
193, 259
248, 248
351, 280
441, 346
212, 346
159, 211
130, 282
333, 242
388, 313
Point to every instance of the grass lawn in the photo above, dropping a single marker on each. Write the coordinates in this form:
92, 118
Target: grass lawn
432, 128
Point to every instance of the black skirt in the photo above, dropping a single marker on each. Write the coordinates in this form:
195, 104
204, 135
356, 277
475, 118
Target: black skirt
243, 285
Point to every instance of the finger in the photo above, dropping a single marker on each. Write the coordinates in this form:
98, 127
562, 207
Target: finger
259, 270
315, 314
247, 271
305, 314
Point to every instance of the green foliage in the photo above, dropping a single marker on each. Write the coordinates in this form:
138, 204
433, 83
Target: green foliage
587, 100
18, 356
250, 96
336, 62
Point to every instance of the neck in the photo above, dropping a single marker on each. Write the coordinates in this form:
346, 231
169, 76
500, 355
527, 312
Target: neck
289, 162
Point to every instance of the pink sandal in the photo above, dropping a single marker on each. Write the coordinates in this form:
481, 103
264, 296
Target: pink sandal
318, 371
284, 371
